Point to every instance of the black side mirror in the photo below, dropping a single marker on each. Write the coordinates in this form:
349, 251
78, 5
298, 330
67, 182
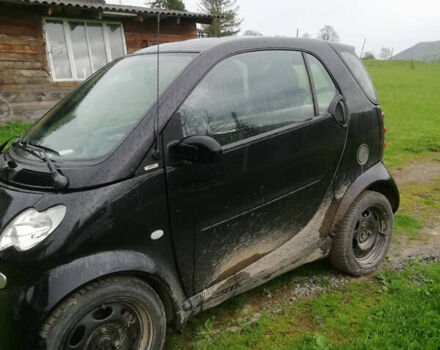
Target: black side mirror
339, 110
195, 149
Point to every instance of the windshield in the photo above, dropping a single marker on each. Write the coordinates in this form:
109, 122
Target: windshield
96, 117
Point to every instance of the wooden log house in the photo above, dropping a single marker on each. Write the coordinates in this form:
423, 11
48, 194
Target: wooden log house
47, 47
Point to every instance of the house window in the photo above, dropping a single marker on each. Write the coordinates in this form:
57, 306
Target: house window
76, 48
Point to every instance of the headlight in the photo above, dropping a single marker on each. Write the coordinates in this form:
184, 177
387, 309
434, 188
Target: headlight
31, 227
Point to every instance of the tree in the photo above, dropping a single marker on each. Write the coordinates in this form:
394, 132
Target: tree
307, 36
369, 55
251, 32
328, 33
177, 5
226, 19
385, 53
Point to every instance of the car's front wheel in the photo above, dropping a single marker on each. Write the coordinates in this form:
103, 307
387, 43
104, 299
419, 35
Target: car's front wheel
114, 313
364, 235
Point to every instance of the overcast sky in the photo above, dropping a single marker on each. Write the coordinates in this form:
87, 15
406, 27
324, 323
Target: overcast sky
396, 24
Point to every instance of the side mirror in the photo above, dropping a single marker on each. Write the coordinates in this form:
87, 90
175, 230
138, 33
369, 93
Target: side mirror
195, 149
338, 110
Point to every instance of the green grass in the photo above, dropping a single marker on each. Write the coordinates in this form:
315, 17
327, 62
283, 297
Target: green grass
11, 129
419, 204
409, 94
407, 224
395, 311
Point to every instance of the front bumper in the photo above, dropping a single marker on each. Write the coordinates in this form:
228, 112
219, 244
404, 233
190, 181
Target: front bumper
19, 276
9, 333
19, 324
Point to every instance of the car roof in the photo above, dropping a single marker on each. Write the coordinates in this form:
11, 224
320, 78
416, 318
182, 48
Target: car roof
192, 45
206, 44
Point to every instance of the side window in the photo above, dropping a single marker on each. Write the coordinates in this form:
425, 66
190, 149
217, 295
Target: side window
357, 67
325, 88
249, 94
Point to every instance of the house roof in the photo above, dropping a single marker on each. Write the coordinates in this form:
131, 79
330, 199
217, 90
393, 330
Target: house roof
102, 6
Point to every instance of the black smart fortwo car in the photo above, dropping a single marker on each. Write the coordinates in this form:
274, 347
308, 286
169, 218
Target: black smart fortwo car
121, 213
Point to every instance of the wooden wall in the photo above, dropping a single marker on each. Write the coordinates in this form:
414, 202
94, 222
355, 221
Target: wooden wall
26, 88
138, 35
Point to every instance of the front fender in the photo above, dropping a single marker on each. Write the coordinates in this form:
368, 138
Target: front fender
64, 279
377, 178
38, 300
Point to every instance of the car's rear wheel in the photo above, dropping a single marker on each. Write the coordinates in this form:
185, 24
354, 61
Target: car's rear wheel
114, 313
364, 235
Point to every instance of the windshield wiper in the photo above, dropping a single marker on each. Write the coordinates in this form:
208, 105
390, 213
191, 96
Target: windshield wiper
44, 148
60, 181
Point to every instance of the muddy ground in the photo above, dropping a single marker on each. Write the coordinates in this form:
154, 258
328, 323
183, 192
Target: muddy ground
423, 171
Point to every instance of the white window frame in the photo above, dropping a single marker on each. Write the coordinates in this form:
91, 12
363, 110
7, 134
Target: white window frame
69, 44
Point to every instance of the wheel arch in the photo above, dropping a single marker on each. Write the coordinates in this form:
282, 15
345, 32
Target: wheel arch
58, 284
155, 282
378, 179
389, 190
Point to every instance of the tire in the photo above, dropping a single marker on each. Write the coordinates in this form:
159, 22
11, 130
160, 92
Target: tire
112, 312
363, 237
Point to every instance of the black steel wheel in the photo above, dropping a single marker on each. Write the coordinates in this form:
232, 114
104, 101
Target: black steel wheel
115, 324
364, 235
112, 314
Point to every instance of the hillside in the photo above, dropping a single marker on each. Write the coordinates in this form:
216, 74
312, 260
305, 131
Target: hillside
424, 51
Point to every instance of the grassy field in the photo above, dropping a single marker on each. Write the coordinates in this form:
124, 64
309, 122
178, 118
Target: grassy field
397, 310
392, 310
409, 94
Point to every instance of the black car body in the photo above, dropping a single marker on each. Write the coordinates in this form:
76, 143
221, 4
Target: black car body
267, 199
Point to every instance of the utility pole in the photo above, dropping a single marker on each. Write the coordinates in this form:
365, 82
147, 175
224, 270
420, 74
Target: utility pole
297, 32
363, 46
392, 52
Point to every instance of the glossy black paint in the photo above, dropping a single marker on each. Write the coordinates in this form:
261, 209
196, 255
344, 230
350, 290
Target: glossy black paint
218, 216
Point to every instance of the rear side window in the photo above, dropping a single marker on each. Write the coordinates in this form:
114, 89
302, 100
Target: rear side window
324, 87
356, 66
247, 95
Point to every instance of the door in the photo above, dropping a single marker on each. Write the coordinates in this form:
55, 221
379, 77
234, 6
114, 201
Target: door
280, 152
